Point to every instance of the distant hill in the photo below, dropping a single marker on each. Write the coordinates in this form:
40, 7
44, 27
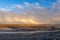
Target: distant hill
32, 26
29, 25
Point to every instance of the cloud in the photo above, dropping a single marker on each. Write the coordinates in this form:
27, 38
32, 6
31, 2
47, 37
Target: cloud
26, 17
4, 9
55, 20
58, 1
0, 19
32, 15
37, 4
26, 4
18, 6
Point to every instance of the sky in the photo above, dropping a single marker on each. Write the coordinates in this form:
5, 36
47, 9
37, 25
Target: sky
29, 11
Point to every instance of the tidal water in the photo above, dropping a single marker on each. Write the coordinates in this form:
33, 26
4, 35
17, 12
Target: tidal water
34, 36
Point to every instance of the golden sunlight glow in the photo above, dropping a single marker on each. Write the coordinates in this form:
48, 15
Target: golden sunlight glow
0, 19
20, 20
33, 21
24, 20
8, 19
